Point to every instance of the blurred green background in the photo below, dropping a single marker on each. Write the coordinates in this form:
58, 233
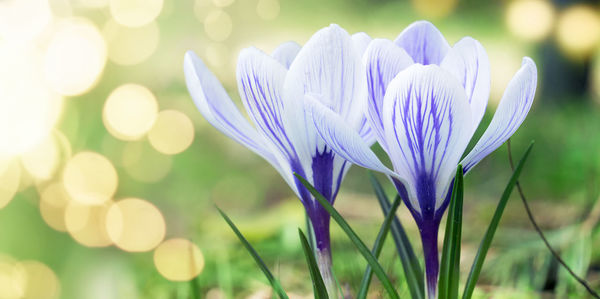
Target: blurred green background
109, 174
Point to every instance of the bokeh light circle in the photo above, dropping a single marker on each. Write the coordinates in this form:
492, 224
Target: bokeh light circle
434, 8
135, 225
23, 20
41, 282
218, 25
130, 111
530, 19
9, 182
178, 260
53, 204
578, 30
130, 45
87, 223
12, 278
90, 178
268, 9
75, 57
172, 133
135, 13
42, 161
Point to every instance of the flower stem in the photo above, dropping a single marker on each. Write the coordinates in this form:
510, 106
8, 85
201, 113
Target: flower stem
429, 236
325, 267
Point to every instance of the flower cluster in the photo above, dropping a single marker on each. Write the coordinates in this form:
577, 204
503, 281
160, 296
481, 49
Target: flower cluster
318, 108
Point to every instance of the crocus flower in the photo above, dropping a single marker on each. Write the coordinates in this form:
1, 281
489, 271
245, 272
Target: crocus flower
272, 89
425, 101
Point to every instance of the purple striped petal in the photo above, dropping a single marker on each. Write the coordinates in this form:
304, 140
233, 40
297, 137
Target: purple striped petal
215, 105
427, 122
423, 42
286, 52
511, 113
260, 82
383, 61
469, 63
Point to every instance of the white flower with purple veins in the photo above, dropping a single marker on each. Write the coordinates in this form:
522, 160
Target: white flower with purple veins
425, 101
273, 89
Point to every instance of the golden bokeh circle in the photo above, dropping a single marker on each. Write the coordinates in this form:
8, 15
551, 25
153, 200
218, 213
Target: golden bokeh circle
130, 45
75, 57
530, 19
578, 30
12, 278
135, 225
172, 133
218, 25
135, 13
53, 204
130, 111
90, 178
178, 260
87, 223
10, 179
42, 161
41, 282
268, 9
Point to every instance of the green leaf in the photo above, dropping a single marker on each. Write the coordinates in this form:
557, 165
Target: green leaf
410, 264
381, 236
450, 266
318, 285
358, 243
489, 234
272, 280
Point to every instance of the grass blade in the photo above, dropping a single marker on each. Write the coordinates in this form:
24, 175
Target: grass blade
410, 263
377, 246
320, 291
358, 243
450, 266
489, 234
272, 280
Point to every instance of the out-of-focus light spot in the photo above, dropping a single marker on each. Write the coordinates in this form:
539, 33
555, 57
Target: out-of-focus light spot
130, 111
93, 3
135, 225
87, 223
222, 3
218, 25
202, 8
268, 9
172, 133
41, 282
215, 293
144, 164
21, 21
217, 54
578, 30
53, 204
90, 178
75, 58
130, 45
178, 260
9, 182
530, 19
28, 108
61, 8
135, 13
12, 278
505, 60
42, 161
434, 8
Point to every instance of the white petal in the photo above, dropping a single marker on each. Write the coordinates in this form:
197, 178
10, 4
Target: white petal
511, 113
361, 41
383, 60
341, 137
218, 109
286, 52
469, 63
427, 122
423, 42
330, 65
260, 82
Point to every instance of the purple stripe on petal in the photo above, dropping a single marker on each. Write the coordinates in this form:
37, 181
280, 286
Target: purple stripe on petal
423, 42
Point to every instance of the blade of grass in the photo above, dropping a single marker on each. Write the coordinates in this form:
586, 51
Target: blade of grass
377, 246
489, 234
319, 289
410, 264
450, 266
272, 280
358, 243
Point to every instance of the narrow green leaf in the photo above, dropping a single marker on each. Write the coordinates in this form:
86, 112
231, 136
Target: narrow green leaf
377, 246
358, 243
320, 291
450, 265
489, 234
272, 280
410, 263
